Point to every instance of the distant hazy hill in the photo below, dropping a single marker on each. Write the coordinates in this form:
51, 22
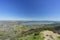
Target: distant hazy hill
26, 22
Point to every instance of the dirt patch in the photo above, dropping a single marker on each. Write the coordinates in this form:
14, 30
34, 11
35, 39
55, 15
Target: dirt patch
49, 35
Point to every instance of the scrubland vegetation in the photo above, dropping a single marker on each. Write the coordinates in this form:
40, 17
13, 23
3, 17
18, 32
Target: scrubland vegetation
18, 31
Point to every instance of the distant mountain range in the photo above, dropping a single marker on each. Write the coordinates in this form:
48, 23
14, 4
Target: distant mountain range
28, 22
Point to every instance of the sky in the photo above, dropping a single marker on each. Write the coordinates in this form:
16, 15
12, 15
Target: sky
30, 10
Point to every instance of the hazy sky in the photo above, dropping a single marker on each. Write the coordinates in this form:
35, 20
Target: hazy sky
29, 9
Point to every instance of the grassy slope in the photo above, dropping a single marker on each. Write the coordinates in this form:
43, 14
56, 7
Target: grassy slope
32, 37
39, 37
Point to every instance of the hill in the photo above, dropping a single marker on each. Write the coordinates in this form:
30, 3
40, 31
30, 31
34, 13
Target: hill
19, 30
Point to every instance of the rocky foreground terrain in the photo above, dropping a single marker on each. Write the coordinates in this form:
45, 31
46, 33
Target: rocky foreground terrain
50, 35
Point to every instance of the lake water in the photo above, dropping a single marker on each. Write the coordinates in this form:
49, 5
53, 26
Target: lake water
36, 23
